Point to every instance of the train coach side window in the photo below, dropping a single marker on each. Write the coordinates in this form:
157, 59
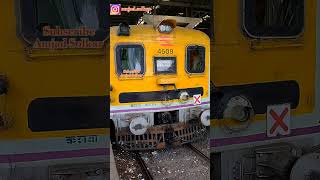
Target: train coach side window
273, 18
130, 59
195, 59
45, 19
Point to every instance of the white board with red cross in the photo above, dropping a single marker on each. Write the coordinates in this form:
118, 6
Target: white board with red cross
197, 99
278, 120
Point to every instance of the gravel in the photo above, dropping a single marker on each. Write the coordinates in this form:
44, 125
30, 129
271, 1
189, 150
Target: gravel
127, 165
203, 145
176, 163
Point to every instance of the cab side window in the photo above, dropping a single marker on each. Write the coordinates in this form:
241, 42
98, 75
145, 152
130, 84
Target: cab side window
35, 15
130, 59
195, 59
273, 18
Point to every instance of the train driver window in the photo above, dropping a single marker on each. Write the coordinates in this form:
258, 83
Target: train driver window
130, 59
63, 14
273, 18
195, 59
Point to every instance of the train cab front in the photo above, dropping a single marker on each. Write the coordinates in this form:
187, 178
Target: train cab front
160, 87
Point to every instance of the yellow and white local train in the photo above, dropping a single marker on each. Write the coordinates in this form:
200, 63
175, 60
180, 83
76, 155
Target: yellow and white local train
159, 84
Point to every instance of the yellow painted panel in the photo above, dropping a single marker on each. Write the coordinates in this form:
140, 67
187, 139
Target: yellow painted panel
41, 74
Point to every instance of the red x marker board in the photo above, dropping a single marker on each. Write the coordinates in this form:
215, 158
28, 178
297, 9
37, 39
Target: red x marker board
197, 99
278, 120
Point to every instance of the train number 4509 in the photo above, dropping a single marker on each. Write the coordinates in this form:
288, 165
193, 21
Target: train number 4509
165, 51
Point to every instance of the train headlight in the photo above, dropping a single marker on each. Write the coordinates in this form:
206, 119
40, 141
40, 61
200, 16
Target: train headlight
184, 96
138, 126
124, 29
238, 108
205, 118
167, 26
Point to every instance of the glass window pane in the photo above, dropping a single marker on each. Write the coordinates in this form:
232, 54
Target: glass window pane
165, 65
130, 59
274, 17
63, 17
69, 13
195, 59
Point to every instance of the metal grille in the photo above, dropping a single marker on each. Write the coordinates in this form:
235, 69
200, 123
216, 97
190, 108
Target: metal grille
159, 137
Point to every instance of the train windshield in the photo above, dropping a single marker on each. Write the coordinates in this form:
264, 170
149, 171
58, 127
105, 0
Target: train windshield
195, 59
44, 19
130, 59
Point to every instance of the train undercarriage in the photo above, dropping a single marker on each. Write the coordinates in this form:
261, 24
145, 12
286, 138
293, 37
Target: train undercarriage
295, 160
161, 136
161, 129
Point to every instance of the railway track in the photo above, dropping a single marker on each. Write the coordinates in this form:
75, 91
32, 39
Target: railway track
143, 166
197, 151
186, 162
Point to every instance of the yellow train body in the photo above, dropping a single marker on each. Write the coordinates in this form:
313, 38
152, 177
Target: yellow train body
156, 45
35, 74
244, 64
150, 38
